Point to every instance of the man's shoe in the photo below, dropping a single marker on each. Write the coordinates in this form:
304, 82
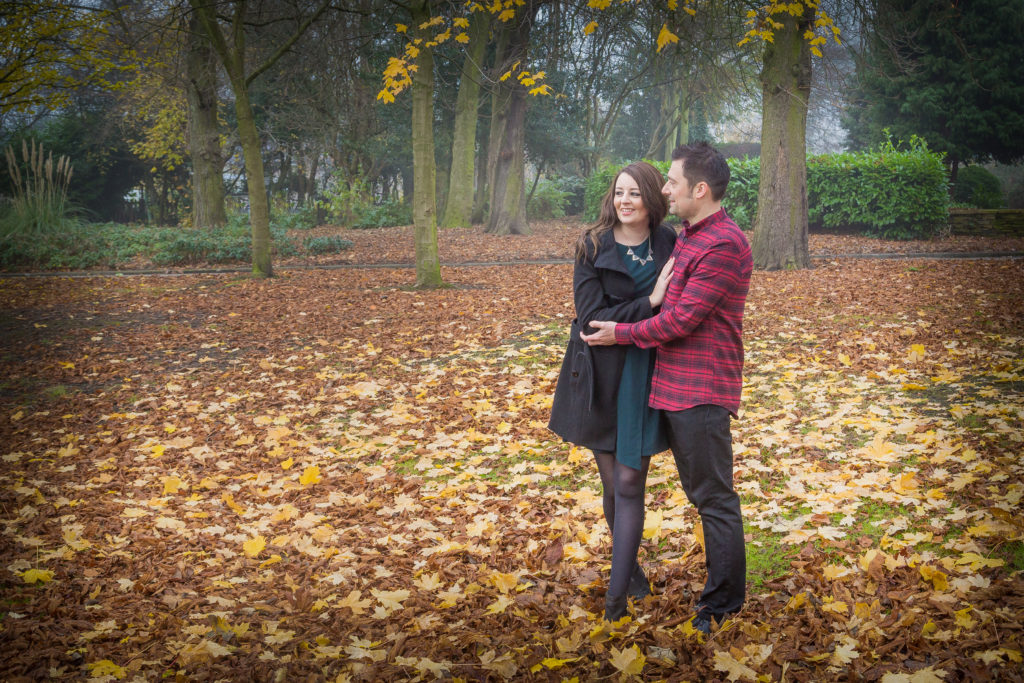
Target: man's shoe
702, 622
639, 586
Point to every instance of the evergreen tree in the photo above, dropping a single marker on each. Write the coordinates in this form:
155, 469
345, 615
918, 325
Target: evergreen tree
950, 73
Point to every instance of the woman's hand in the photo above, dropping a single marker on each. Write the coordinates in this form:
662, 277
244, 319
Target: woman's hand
661, 286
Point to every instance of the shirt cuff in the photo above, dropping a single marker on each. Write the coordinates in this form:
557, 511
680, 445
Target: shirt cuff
622, 334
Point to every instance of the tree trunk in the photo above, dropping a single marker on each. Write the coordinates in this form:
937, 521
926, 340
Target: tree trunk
424, 208
259, 211
459, 207
480, 195
507, 196
203, 136
780, 228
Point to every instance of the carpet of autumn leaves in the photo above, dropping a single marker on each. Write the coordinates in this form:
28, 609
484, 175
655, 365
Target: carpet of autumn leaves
332, 476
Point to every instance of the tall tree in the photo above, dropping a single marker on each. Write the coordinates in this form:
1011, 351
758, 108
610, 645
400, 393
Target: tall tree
424, 203
951, 73
203, 131
231, 49
459, 207
780, 227
507, 214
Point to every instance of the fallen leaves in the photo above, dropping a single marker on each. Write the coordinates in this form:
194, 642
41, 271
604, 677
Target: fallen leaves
256, 496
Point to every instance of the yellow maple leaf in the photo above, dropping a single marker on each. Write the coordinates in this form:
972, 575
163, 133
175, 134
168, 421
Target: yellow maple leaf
401, 28
391, 600
172, 485
310, 476
736, 670
105, 667
273, 559
462, 38
844, 359
353, 602
156, 450
287, 463
917, 352
499, 605
37, 576
254, 546
964, 619
503, 582
665, 37
628, 660
229, 500
590, 28
937, 578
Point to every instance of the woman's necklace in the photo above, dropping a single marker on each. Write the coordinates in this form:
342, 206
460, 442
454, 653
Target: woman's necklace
650, 252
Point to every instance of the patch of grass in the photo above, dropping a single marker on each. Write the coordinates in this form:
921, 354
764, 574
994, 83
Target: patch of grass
767, 557
57, 391
872, 514
1013, 553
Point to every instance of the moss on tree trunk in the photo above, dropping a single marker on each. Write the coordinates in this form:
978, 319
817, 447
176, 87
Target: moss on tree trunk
424, 204
459, 207
203, 134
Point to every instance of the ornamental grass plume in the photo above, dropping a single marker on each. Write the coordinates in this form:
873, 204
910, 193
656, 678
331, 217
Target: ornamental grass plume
39, 205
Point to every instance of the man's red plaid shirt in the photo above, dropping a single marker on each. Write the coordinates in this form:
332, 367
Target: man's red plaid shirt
699, 331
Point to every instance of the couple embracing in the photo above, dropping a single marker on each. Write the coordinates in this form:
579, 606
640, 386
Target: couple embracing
655, 361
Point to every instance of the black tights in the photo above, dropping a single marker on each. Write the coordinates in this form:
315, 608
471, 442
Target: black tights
623, 501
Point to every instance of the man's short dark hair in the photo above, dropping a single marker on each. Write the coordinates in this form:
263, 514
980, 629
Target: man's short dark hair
702, 162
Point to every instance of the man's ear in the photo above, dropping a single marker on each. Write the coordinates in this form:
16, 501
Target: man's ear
702, 190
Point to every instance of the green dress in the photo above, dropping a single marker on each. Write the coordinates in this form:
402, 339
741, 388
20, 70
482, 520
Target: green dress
639, 431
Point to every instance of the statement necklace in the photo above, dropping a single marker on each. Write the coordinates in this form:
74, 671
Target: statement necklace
650, 252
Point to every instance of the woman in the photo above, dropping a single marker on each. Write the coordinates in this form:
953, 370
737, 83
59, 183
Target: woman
621, 273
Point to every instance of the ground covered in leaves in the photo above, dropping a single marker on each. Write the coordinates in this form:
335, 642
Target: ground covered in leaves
330, 475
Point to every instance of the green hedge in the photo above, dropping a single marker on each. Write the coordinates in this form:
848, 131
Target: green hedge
978, 187
889, 193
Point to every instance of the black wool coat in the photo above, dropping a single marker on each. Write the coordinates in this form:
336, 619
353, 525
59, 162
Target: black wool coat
584, 410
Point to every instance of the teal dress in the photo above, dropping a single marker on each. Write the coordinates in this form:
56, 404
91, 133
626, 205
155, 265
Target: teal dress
639, 431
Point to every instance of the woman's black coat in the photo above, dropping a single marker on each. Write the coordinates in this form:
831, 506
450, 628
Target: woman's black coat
584, 408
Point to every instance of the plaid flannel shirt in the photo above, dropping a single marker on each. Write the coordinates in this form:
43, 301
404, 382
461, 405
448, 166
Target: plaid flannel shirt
699, 331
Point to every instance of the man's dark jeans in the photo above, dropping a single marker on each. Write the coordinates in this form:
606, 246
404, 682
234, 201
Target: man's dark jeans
702, 446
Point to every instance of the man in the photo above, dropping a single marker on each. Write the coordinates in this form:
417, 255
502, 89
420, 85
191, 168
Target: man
698, 372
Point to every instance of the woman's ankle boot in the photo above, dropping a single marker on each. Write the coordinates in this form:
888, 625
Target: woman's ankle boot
639, 586
614, 607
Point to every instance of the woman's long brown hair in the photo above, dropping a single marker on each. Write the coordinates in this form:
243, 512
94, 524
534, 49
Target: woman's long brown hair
650, 181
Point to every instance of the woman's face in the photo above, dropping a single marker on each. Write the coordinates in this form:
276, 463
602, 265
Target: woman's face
629, 206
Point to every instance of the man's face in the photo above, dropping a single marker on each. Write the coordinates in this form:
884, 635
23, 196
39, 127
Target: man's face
680, 195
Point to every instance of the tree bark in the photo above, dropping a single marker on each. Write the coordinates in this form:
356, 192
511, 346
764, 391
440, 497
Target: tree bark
459, 208
780, 228
259, 209
208, 209
507, 195
424, 207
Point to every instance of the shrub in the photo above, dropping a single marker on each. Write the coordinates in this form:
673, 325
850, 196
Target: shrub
889, 193
740, 199
346, 199
328, 244
548, 200
39, 205
978, 187
384, 215
303, 218
233, 242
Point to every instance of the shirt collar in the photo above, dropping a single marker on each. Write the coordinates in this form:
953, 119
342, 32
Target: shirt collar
689, 229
